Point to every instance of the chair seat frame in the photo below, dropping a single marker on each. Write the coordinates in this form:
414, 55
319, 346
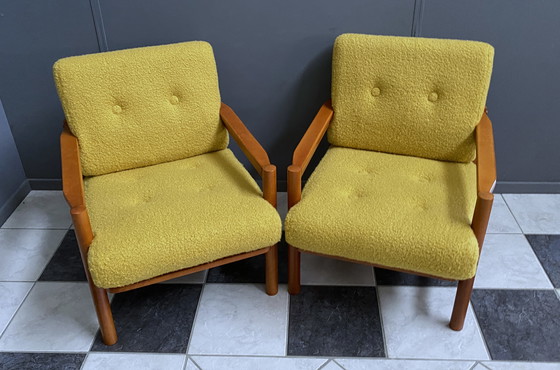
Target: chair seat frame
486, 179
73, 189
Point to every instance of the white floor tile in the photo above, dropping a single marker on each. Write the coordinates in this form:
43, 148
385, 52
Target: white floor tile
257, 363
196, 278
498, 365
25, 253
415, 322
318, 270
508, 262
501, 219
11, 296
54, 317
536, 213
136, 361
366, 364
240, 320
41, 209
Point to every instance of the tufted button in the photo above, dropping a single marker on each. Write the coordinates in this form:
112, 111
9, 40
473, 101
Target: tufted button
117, 109
433, 96
174, 100
375, 91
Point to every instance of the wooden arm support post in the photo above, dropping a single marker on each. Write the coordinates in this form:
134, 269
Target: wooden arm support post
486, 180
305, 150
253, 150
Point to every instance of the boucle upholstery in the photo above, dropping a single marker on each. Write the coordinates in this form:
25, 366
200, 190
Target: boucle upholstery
409, 95
153, 220
138, 107
397, 211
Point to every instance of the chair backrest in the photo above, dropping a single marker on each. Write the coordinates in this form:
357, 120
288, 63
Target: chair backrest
407, 95
139, 107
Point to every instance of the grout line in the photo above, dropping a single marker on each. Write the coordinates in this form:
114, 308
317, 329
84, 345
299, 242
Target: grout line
193, 361
324, 364
84, 361
336, 362
16, 311
512, 214
540, 263
34, 228
383, 337
195, 319
479, 327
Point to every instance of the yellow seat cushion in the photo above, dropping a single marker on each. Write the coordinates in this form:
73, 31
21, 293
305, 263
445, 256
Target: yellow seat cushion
397, 211
409, 95
158, 219
138, 107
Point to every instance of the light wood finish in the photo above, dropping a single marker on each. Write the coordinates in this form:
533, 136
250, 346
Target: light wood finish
486, 179
73, 188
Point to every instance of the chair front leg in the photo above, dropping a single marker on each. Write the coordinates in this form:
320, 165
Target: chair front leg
104, 314
462, 298
294, 276
272, 270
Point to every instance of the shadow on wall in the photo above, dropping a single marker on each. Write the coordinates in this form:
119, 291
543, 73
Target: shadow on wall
302, 101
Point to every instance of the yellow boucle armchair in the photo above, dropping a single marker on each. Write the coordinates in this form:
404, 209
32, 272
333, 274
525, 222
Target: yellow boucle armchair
398, 187
154, 192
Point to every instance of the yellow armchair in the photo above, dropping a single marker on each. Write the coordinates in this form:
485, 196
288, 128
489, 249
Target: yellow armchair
153, 190
398, 187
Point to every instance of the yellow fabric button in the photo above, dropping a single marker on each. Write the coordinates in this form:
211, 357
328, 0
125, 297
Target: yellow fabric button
375, 91
433, 96
174, 100
117, 109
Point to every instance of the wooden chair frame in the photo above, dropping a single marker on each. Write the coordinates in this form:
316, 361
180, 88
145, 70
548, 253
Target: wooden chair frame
486, 179
73, 188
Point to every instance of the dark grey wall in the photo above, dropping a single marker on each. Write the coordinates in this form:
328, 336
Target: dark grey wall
13, 183
274, 64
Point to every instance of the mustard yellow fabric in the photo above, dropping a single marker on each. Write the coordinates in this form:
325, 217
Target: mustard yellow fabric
138, 107
153, 220
409, 95
403, 212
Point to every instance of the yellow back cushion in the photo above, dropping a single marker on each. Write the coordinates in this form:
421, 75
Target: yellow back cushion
139, 107
411, 96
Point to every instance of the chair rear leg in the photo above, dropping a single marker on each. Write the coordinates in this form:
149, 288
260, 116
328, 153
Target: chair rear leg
462, 298
294, 278
272, 270
104, 314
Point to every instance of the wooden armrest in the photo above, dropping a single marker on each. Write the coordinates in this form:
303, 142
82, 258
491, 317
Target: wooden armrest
305, 150
312, 137
485, 157
485, 177
72, 181
253, 150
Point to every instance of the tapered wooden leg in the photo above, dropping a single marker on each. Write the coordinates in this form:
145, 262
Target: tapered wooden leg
104, 314
462, 298
294, 256
272, 270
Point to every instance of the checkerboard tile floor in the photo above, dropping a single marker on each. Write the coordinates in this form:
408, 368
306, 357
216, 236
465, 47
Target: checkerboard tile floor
347, 316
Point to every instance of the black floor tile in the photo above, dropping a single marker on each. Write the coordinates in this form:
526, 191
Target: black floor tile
335, 321
547, 249
389, 277
43, 361
66, 263
156, 318
251, 270
519, 325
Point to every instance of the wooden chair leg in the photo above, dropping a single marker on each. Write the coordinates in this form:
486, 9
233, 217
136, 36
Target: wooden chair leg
272, 270
104, 314
462, 298
294, 279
